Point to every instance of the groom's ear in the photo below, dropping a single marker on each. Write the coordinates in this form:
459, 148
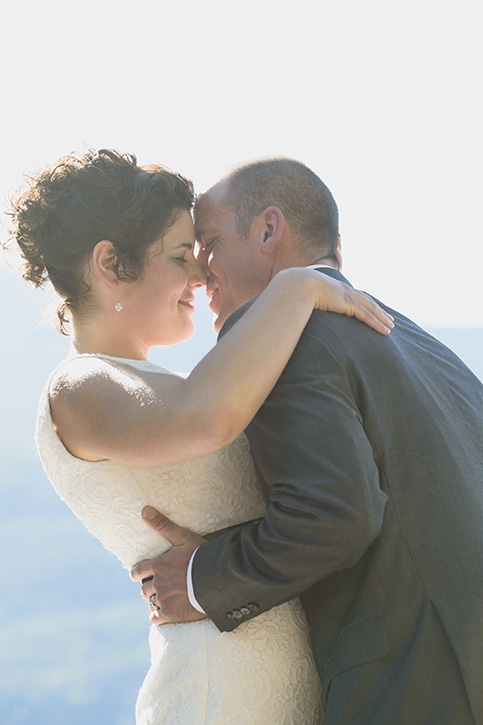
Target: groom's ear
271, 225
104, 258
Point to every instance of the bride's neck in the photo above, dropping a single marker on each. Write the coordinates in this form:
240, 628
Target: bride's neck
97, 336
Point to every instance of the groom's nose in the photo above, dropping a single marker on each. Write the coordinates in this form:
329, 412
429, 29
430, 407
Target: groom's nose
211, 283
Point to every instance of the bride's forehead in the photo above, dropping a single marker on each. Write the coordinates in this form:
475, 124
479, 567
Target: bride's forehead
181, 233
182, 227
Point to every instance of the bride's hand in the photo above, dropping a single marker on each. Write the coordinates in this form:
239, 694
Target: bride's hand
331, 295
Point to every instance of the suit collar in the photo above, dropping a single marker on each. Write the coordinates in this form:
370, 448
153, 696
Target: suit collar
331, 272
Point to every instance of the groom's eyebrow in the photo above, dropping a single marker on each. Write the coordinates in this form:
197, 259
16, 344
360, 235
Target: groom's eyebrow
203, 235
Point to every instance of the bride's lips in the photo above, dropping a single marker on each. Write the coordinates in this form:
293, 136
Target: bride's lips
188, 303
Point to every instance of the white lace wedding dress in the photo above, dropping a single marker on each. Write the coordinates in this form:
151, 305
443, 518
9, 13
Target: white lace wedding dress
261, 673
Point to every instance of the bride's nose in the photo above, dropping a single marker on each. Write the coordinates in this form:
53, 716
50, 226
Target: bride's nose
197, 277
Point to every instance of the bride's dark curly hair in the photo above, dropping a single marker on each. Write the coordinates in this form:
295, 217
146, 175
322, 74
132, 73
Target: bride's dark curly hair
69, 207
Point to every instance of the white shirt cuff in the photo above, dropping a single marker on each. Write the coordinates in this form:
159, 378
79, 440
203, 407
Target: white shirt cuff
189, 585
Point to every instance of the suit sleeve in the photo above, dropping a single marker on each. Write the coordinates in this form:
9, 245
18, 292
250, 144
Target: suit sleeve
326, 505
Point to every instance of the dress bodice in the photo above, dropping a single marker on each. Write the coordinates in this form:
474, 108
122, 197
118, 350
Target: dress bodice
204, 494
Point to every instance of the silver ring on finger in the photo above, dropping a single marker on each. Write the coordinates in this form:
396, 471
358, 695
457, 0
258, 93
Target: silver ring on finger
152, 602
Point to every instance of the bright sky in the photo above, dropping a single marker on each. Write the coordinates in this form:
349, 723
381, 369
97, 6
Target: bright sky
381, 99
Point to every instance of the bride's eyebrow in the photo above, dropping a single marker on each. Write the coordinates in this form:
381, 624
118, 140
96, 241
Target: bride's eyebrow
188, 245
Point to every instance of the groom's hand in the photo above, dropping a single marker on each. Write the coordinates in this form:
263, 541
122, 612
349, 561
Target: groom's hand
164, 577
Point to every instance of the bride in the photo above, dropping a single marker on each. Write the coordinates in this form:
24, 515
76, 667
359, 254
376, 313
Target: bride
116, 432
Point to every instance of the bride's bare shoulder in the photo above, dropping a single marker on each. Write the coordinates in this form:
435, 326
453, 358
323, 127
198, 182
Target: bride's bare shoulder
80, 373
91, 380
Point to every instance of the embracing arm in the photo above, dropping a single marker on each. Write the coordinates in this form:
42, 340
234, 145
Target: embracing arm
326, 505
104, 412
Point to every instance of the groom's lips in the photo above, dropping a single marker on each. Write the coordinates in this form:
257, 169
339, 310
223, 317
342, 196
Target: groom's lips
212, 293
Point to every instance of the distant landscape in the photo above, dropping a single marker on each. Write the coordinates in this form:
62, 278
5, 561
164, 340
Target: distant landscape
73, 638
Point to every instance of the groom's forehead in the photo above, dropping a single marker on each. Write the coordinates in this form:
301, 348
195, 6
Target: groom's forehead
204, 226
209, 216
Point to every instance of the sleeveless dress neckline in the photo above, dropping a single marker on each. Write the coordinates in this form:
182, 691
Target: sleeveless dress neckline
140, 364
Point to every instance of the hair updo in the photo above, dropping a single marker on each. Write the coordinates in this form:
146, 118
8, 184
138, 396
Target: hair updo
69, 207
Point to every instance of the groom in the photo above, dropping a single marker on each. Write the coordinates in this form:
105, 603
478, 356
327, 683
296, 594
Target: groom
370, 451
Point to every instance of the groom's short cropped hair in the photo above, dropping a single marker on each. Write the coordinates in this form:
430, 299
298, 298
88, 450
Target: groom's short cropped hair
306, 202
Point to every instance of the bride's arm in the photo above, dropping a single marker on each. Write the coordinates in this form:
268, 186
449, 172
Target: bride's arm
101, 412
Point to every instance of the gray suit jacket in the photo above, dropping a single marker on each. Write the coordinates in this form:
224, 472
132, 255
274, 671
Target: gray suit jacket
370, 450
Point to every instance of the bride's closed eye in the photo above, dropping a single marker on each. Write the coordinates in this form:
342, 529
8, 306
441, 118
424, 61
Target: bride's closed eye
183, 253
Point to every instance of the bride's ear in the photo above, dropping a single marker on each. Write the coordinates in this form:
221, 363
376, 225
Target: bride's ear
104, 258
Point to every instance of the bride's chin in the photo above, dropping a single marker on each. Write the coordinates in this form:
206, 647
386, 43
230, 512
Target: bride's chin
184, 333
188, 335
